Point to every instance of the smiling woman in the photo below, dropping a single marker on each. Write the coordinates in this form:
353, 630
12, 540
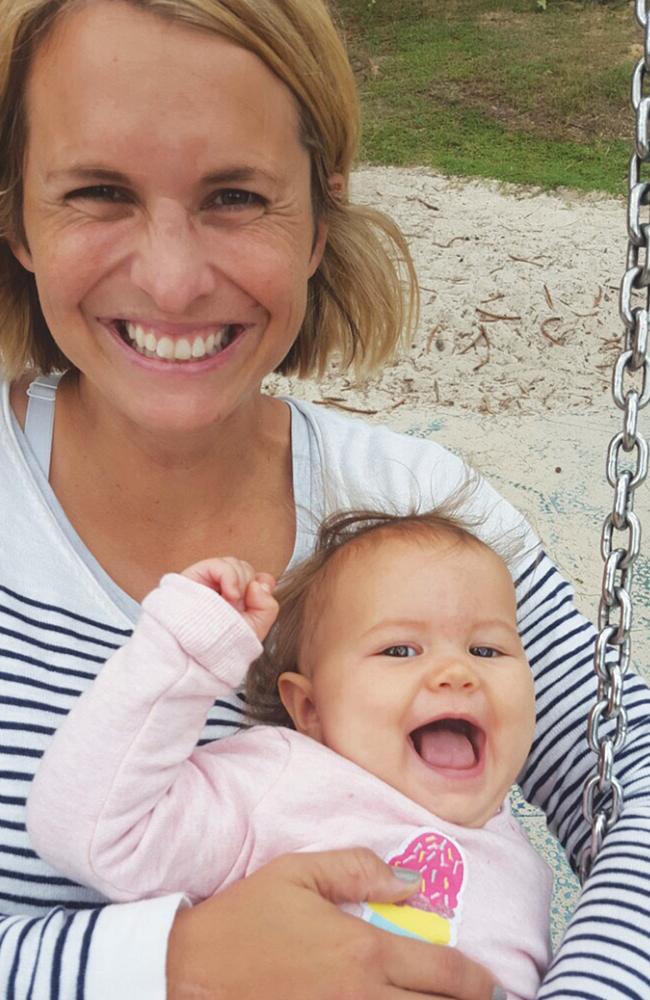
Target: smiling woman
175, 225
226, 169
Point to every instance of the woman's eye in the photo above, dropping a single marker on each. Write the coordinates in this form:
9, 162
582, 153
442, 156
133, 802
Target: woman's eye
234, 199
99, 192
484, 651
399, 651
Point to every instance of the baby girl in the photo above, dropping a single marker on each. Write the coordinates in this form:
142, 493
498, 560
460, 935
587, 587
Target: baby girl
394, 709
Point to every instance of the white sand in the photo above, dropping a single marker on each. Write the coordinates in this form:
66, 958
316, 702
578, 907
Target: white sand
519, 296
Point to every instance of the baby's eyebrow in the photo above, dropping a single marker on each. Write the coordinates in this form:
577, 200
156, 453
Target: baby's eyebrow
498, 624
389, 623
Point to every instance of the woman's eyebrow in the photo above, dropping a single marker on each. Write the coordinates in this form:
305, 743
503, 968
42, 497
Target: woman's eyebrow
226, 175
235, 174
87, 173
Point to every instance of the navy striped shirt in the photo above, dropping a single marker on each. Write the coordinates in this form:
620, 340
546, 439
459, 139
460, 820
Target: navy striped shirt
60, 619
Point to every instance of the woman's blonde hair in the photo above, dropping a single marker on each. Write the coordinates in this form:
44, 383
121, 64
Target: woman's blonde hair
363, 297
300, 592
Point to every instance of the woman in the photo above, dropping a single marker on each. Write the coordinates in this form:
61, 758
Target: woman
175, 227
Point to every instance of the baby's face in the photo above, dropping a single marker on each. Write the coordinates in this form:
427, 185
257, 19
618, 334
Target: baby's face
415, 671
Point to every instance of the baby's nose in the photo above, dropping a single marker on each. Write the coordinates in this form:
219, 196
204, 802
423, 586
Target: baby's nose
454, 673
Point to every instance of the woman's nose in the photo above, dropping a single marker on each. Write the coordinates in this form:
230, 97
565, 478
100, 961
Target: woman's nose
171, 264
452, 673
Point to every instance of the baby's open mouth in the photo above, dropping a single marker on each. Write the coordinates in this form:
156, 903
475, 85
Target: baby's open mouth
449, 743
151, 343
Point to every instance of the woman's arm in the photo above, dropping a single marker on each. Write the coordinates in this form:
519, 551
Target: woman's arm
278, 936
122, 801
87, 954
604, 953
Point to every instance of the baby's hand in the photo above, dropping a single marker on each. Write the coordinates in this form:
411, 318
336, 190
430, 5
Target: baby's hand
249, 592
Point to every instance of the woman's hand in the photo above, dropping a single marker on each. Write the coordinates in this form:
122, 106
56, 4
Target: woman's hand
277, 936
236, 581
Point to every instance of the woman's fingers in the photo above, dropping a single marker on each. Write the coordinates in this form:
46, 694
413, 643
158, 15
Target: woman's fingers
285, 941
419, 966
358, 875
348, 876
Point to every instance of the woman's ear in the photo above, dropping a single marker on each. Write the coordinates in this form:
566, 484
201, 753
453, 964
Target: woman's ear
22, 254
318, 249
336, 185
337, 188
296, 694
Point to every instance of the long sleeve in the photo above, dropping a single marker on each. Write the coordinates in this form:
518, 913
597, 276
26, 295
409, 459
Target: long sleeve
604, 953
150, 814
98, 953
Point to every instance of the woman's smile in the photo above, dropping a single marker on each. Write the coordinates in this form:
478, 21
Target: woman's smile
175, 344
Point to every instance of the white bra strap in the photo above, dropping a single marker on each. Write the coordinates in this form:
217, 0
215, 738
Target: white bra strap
39, 420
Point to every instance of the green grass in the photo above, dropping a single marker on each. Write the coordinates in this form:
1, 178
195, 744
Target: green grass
495, 88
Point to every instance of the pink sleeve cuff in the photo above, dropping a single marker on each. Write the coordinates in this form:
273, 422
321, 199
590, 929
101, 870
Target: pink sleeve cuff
205, 626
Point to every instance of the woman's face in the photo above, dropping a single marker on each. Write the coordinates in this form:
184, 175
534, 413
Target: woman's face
167, 213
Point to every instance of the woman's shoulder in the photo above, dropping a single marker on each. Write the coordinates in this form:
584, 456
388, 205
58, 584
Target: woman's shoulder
14, 395
337, 432
369, 465
366, 462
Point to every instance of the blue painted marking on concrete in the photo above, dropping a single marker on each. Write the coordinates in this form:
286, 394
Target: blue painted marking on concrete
427, 430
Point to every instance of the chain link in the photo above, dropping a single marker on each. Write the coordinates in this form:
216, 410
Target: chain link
627, 468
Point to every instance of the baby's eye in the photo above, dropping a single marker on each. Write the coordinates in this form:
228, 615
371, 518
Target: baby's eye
484, 651
399, 651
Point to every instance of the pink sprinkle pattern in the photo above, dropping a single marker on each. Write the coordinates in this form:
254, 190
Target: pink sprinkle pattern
440, 864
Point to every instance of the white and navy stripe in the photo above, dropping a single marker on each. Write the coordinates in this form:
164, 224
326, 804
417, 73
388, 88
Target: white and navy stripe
605, 951
48, 656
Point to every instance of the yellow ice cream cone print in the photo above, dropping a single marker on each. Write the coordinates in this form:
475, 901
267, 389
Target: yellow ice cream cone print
432, 913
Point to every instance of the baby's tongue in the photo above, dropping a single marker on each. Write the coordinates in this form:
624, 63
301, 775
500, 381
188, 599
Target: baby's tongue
443, 746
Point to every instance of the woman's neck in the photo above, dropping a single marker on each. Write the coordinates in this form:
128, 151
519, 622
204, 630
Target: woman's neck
182, 471
147, 503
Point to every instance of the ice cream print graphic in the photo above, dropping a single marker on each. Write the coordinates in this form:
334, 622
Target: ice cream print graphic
433, 912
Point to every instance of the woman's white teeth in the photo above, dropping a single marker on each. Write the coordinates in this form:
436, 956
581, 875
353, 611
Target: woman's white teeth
183, 350
166, 348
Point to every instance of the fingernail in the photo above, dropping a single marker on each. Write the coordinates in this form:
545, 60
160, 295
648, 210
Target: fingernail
498, 993
265, 587
406, 874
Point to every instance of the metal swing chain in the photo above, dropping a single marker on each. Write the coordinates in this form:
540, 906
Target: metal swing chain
627, 467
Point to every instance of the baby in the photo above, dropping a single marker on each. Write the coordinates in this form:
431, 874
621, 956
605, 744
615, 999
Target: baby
402, 710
